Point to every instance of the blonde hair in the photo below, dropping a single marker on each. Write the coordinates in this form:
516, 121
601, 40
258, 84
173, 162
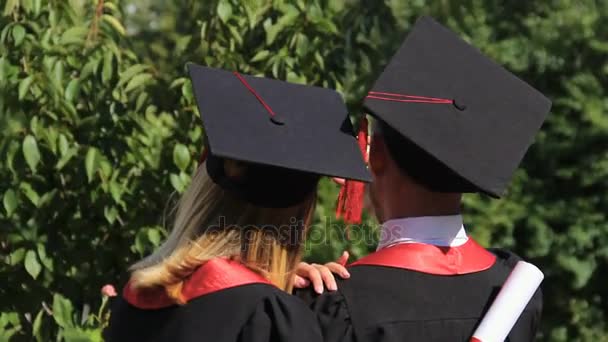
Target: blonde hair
211, 223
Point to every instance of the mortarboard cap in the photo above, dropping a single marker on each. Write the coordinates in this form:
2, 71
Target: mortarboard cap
287, 134
464, 121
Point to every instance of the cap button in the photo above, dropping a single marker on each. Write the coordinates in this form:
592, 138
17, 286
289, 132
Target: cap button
277, 120
458, 105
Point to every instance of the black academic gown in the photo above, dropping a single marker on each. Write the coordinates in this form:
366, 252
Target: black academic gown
225, 303
420, 293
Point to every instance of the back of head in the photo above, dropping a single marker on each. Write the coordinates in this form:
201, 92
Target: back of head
267, 144
213, 222
420, 166
459, 121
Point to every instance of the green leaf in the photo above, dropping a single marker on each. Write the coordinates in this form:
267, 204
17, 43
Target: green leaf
327, 26
53, 16
110, 213
141, 100
260, 56
10, 201
10, 6
62, 311
37, 325
302, 45
116, 190
89, 68
319, 60
110, 6
51, 135
91, 162
63, 145
140, 242
47, 198
30, 193
287, 20
66, 158
24, 86
31, 152
74, 35
114, 23
177, 183
72, 90
187, 92
17, 256
26, 5
58, 77
177, 82
108, 69
138, 81
37, 7
32, 266
295, 78
46, 261
12, 151
18, 34
105, 167
181, 44
78, 334
184, 178
154, 236
271, 33
224, 10
236, 35
128, 74
34, 126
181, 156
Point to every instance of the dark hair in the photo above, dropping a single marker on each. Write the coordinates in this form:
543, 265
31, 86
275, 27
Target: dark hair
422, 167
262, 185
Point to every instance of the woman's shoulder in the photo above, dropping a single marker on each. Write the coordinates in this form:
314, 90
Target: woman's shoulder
280, 316
259, 312
268, 300
290, 301
220, 315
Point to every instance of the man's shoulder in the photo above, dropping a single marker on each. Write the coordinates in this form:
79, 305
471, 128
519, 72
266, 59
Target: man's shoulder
505, 255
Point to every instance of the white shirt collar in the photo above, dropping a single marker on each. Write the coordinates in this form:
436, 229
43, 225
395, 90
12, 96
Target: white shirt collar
433, 230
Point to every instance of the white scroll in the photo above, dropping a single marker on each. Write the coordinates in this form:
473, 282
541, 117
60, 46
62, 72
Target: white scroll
509, 304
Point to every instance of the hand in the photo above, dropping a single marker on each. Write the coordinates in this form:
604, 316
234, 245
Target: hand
321, 275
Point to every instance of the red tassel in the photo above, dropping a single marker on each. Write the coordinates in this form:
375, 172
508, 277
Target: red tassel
352, 193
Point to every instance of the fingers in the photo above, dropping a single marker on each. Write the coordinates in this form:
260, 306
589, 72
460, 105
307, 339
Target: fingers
300, 282
327, 276
312, 274
339, 269
343, 259
339, 181
321, 276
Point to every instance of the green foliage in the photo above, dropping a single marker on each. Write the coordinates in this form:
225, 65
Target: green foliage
99, 128
86, 154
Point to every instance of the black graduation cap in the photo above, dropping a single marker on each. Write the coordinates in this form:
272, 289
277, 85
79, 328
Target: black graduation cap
461, 121
288, 134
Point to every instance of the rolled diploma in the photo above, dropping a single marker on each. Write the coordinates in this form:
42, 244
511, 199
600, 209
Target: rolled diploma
509, 303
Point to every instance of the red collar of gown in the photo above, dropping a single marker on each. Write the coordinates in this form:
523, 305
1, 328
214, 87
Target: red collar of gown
467, 258
214, 275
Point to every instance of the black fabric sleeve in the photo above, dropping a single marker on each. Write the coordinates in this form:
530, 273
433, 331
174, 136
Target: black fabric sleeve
332, 313
281, 318
528, 324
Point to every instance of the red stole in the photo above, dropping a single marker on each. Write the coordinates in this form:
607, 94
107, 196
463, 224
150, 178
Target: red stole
214, 275
467, 258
